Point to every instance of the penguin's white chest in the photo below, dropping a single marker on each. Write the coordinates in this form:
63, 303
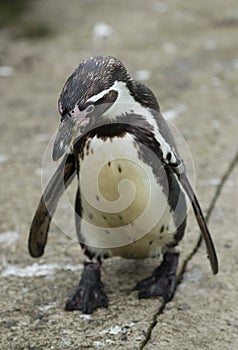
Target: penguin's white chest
124, 205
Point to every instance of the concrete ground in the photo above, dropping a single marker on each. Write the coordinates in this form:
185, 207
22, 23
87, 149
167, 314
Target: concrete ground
187, 52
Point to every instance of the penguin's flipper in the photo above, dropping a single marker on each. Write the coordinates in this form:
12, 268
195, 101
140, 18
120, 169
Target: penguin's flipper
211, 251
61, 179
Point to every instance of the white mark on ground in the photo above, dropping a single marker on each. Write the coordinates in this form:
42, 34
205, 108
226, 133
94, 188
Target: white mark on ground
42, 138
102, 30
215, 124
3, 158
114, 330
42, 171
169, 48
46, 307
6, 71
142, 75
64, 205
160, 7
8, 238
171, 114
234, 64
213, 182
85, 316
37, 270
215, 81
194, 276
98, 344
210, 44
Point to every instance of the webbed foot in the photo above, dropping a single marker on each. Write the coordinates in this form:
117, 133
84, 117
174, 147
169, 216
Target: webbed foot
90, 293
162, 281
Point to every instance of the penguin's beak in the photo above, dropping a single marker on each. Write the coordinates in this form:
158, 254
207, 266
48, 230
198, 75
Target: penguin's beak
64, 136
72, 123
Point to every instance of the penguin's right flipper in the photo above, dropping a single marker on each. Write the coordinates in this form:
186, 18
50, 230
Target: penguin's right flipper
211, 251
61, 179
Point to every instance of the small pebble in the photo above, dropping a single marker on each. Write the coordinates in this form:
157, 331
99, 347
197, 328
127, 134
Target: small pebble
6, 71
142, 75
102, 30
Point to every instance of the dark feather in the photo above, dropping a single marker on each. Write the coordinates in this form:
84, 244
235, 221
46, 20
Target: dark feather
61, 179
201, 222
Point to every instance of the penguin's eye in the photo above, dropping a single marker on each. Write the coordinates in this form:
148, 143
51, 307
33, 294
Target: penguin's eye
89, 109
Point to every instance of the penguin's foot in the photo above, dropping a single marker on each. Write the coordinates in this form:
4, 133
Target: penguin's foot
162, 281
90, 293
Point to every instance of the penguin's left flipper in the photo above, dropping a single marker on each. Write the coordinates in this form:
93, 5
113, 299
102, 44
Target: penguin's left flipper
211, 251
61, 179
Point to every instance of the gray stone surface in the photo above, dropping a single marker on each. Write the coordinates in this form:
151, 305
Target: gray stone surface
190, 50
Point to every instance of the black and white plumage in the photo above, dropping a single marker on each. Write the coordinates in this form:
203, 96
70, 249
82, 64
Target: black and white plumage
112, 130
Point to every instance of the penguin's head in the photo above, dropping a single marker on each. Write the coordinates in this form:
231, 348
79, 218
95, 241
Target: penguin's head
88, 93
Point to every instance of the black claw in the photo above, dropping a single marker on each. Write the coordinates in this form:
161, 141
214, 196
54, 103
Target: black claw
90, 293
162, 281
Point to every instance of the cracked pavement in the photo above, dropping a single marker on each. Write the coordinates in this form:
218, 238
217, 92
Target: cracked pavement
187, 54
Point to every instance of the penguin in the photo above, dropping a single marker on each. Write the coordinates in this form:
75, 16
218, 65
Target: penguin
133, 193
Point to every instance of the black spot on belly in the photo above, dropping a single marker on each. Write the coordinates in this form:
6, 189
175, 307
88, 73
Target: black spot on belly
90, 215
104, 217
119, 168
151, 242
162, 229
97, 197
120, 217
107, 232
109, 163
